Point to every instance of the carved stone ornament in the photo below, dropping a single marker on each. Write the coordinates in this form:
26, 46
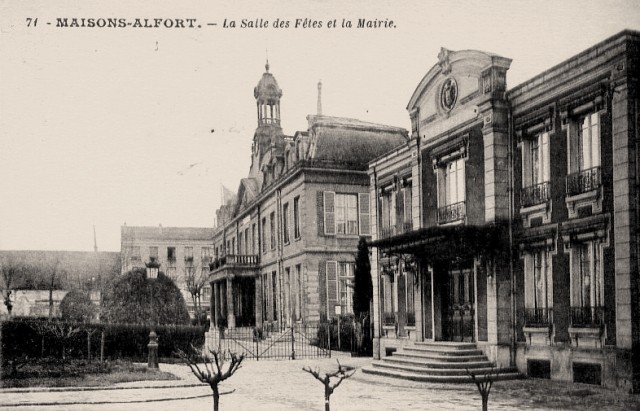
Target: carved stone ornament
449, 94
443, 60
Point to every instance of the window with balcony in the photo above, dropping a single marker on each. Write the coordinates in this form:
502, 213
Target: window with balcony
395, 209
135, 253
535, 170
538, 288
285, 223
296, 217
584, 155
188, 255
264, 235
451, 191
587, 285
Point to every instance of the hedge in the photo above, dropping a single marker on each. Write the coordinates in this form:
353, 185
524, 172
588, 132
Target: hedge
25, 337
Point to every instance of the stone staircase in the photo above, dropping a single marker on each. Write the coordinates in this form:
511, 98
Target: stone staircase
445, 362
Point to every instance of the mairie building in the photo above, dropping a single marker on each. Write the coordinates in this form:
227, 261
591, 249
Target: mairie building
284, 242
509, 220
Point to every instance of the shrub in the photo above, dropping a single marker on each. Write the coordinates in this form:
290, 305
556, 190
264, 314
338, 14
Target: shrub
328, 333
76, 306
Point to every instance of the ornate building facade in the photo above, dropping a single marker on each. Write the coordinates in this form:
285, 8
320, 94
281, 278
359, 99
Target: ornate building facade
284, 244
510, 218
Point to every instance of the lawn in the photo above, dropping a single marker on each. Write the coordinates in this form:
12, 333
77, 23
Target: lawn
79, 373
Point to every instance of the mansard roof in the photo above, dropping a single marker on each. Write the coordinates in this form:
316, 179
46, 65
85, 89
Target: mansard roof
160, 233
351, 141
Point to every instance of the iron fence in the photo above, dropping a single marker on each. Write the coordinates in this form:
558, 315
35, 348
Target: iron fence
583, 181
452, 212
590, 317
537, 317
535, 194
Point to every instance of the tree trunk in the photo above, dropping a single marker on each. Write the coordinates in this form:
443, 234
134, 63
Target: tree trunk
216, 397
51, 300
102, 347
485, 402
88, 346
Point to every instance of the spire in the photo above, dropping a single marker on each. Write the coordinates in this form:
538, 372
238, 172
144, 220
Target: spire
95, 241
319, 98
266, 66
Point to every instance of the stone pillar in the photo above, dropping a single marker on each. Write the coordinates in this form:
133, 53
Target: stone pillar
258, 301
231, 318
497, 203
218, 303
375, 277
212, 308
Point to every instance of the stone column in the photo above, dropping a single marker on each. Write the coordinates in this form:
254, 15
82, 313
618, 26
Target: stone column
258, 301
217, 302
231, 318
375, 277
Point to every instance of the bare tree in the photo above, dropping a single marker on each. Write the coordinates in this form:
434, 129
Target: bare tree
196, 279
341, 374
10, 267
484, 385
214, 371
61, 330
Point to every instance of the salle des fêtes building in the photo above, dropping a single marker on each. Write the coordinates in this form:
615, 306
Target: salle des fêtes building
510, 218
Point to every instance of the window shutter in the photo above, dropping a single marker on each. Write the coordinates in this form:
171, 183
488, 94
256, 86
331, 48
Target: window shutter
329, 213
320, 213
332, 287
365, 213
546, 164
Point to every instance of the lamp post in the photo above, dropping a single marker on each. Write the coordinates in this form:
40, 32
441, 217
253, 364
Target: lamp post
152, 274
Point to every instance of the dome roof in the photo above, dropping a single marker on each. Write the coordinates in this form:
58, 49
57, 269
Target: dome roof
267, 88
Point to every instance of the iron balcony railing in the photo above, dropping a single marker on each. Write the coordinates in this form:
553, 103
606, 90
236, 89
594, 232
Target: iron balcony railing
245, 260
399, 228
535, 194
588, 317
538, 317
411, 319
584, 181
452, 212
388, 318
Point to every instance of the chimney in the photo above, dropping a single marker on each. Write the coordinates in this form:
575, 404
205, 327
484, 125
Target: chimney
320, 97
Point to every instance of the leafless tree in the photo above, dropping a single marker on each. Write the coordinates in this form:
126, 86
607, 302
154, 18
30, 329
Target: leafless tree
340, 375
214, 371
10, 267
61, 330
484, 385
196, 279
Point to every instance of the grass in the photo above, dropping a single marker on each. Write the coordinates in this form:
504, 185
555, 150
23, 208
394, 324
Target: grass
563, 395
81, 374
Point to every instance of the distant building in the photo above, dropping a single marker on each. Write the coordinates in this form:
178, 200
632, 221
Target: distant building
86, 270
183, 252
285, 244
510, 219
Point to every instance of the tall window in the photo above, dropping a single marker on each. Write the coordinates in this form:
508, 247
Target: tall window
535, 160
171, 254
153, 252
453, 189
264, 235
297, 312
274, 294
272, 227
296, 217
205, 254
285, 222
253, 238
188, 253
345, 286
346, 209
247, 241
135, 253
589, 140
586, 275
538, 286
265, 296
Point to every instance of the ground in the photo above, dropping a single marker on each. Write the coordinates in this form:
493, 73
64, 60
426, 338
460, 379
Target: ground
282, 385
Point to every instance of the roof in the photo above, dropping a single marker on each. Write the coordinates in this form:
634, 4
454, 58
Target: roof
160, 233
352, 141
267, 88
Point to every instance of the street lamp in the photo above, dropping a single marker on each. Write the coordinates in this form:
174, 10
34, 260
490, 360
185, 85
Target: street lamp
152, 274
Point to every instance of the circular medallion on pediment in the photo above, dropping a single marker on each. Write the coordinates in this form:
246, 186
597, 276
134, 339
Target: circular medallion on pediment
449, 94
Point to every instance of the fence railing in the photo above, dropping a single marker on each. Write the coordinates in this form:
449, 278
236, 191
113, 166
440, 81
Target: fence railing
388, 318
245, 260
398, 228
535, 194
590, 317
538, 317
584, 181
452, 212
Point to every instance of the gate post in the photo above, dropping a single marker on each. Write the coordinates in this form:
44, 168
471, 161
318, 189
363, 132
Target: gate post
293, 344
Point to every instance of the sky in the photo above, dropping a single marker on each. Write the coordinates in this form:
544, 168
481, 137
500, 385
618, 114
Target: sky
106, 126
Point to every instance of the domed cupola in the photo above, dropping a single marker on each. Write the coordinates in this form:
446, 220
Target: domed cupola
267, 94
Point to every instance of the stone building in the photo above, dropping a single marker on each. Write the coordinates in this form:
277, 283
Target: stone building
184, 254
284, 245
509, 220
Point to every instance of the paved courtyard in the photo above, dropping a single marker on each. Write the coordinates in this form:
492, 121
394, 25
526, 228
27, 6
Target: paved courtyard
282, 385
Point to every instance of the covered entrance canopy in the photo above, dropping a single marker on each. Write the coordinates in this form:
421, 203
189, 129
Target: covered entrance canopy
442, 262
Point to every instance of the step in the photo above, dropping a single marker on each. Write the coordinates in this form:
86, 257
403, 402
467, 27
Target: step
446, 351
412, 376
447, 345
438, 364
434, 371
439, 357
